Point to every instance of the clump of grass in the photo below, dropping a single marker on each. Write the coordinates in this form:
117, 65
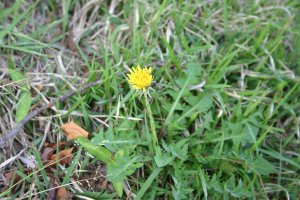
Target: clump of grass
224, 99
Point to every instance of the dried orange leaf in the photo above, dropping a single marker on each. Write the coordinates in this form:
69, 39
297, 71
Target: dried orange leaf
62, 194
13, 178
53, 145
64, 156
47, 153
72, 131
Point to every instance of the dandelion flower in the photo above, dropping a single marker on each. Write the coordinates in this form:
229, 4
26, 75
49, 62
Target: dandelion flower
139, 78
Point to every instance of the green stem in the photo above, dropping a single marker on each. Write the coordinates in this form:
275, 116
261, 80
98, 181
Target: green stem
152, 125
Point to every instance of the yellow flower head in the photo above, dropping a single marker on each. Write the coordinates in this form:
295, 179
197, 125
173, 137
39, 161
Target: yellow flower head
139, 78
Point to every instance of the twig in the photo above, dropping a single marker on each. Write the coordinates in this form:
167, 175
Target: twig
12, 133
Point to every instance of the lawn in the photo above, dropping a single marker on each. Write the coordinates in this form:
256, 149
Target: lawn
81, 117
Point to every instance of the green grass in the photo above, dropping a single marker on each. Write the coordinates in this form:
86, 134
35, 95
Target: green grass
234, 137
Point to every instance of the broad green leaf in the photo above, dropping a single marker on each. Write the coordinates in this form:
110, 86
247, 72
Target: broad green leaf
250, 133
25, 100
172, 109
262, 166
215, 184
200, 104
148, 183
203, 182
238, 190
96, 195
181, 177
118, 187
162, 159
104, 155
15, 75
23, 106
227, 167
123, 166
99, 152
178, 150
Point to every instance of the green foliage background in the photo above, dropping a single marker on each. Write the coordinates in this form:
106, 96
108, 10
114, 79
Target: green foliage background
225, 98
